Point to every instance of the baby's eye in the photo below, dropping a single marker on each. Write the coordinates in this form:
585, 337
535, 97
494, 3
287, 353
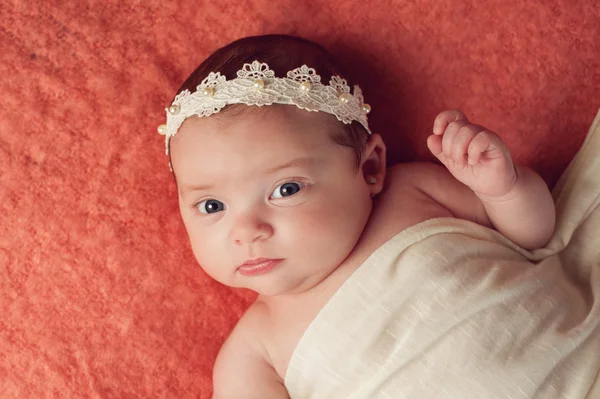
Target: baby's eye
286, 190
210, 206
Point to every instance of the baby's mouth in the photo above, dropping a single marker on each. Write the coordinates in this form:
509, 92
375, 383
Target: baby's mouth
254, 267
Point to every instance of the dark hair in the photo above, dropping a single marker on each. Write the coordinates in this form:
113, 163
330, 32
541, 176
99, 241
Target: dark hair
282, 53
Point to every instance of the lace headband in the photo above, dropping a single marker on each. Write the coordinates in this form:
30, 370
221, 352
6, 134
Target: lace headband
257, 85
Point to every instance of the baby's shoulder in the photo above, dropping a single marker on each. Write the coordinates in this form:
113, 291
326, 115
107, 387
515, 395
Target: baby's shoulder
402, 203
249, 326
243, 360
414, 174
406, 198
428, 190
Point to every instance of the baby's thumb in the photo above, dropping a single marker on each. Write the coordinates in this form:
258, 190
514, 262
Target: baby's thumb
434, 143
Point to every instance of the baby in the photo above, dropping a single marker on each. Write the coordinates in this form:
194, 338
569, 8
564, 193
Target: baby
292, 204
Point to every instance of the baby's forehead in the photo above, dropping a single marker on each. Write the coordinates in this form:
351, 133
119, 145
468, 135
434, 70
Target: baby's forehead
236, 170
256, 128
282, 123
255, 143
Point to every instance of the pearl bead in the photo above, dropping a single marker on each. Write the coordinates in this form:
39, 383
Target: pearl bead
174, 109
162, 129
208, 91
305, 86
344, 98
366, 108
258, 84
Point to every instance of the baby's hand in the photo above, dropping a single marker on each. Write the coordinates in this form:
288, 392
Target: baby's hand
475, 156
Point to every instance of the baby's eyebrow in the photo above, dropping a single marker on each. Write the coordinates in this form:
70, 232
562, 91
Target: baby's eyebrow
296, 163
189, 188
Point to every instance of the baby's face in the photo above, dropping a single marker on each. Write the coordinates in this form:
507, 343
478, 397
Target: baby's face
268, 185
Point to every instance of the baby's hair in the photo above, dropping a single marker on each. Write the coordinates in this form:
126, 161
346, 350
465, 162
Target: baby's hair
282, 53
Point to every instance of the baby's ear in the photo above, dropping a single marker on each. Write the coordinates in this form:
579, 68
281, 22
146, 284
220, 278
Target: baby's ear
373, 163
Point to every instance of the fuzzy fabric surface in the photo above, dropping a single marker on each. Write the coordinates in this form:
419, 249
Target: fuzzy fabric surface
100, 295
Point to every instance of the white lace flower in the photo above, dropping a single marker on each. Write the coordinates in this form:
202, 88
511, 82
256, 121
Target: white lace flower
304, 74
212, 80
256, 70
358, 95
339, 84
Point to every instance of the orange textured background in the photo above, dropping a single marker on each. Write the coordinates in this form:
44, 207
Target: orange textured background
100, 296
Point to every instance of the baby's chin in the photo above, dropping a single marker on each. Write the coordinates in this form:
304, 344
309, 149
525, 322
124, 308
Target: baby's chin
270, 289
279, 283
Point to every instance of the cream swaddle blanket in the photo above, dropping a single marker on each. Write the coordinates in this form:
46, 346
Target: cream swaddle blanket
451, 309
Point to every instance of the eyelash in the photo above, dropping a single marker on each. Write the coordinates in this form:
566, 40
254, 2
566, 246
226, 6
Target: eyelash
302, 182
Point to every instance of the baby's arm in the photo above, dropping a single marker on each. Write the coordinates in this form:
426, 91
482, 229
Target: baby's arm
241, 370
516, 200
526, 214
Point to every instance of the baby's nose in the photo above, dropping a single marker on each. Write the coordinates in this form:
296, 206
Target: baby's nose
249, 229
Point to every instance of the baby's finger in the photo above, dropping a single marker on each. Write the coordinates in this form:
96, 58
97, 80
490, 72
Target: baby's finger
480, 144
449, 136
444, 118
461, 143
434, 143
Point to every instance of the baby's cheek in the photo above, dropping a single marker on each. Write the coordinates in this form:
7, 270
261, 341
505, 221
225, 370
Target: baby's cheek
206, 251
317, 218
214, 267
326, 229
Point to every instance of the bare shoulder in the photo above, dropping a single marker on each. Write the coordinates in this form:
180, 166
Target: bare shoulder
242, 368
434, 183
